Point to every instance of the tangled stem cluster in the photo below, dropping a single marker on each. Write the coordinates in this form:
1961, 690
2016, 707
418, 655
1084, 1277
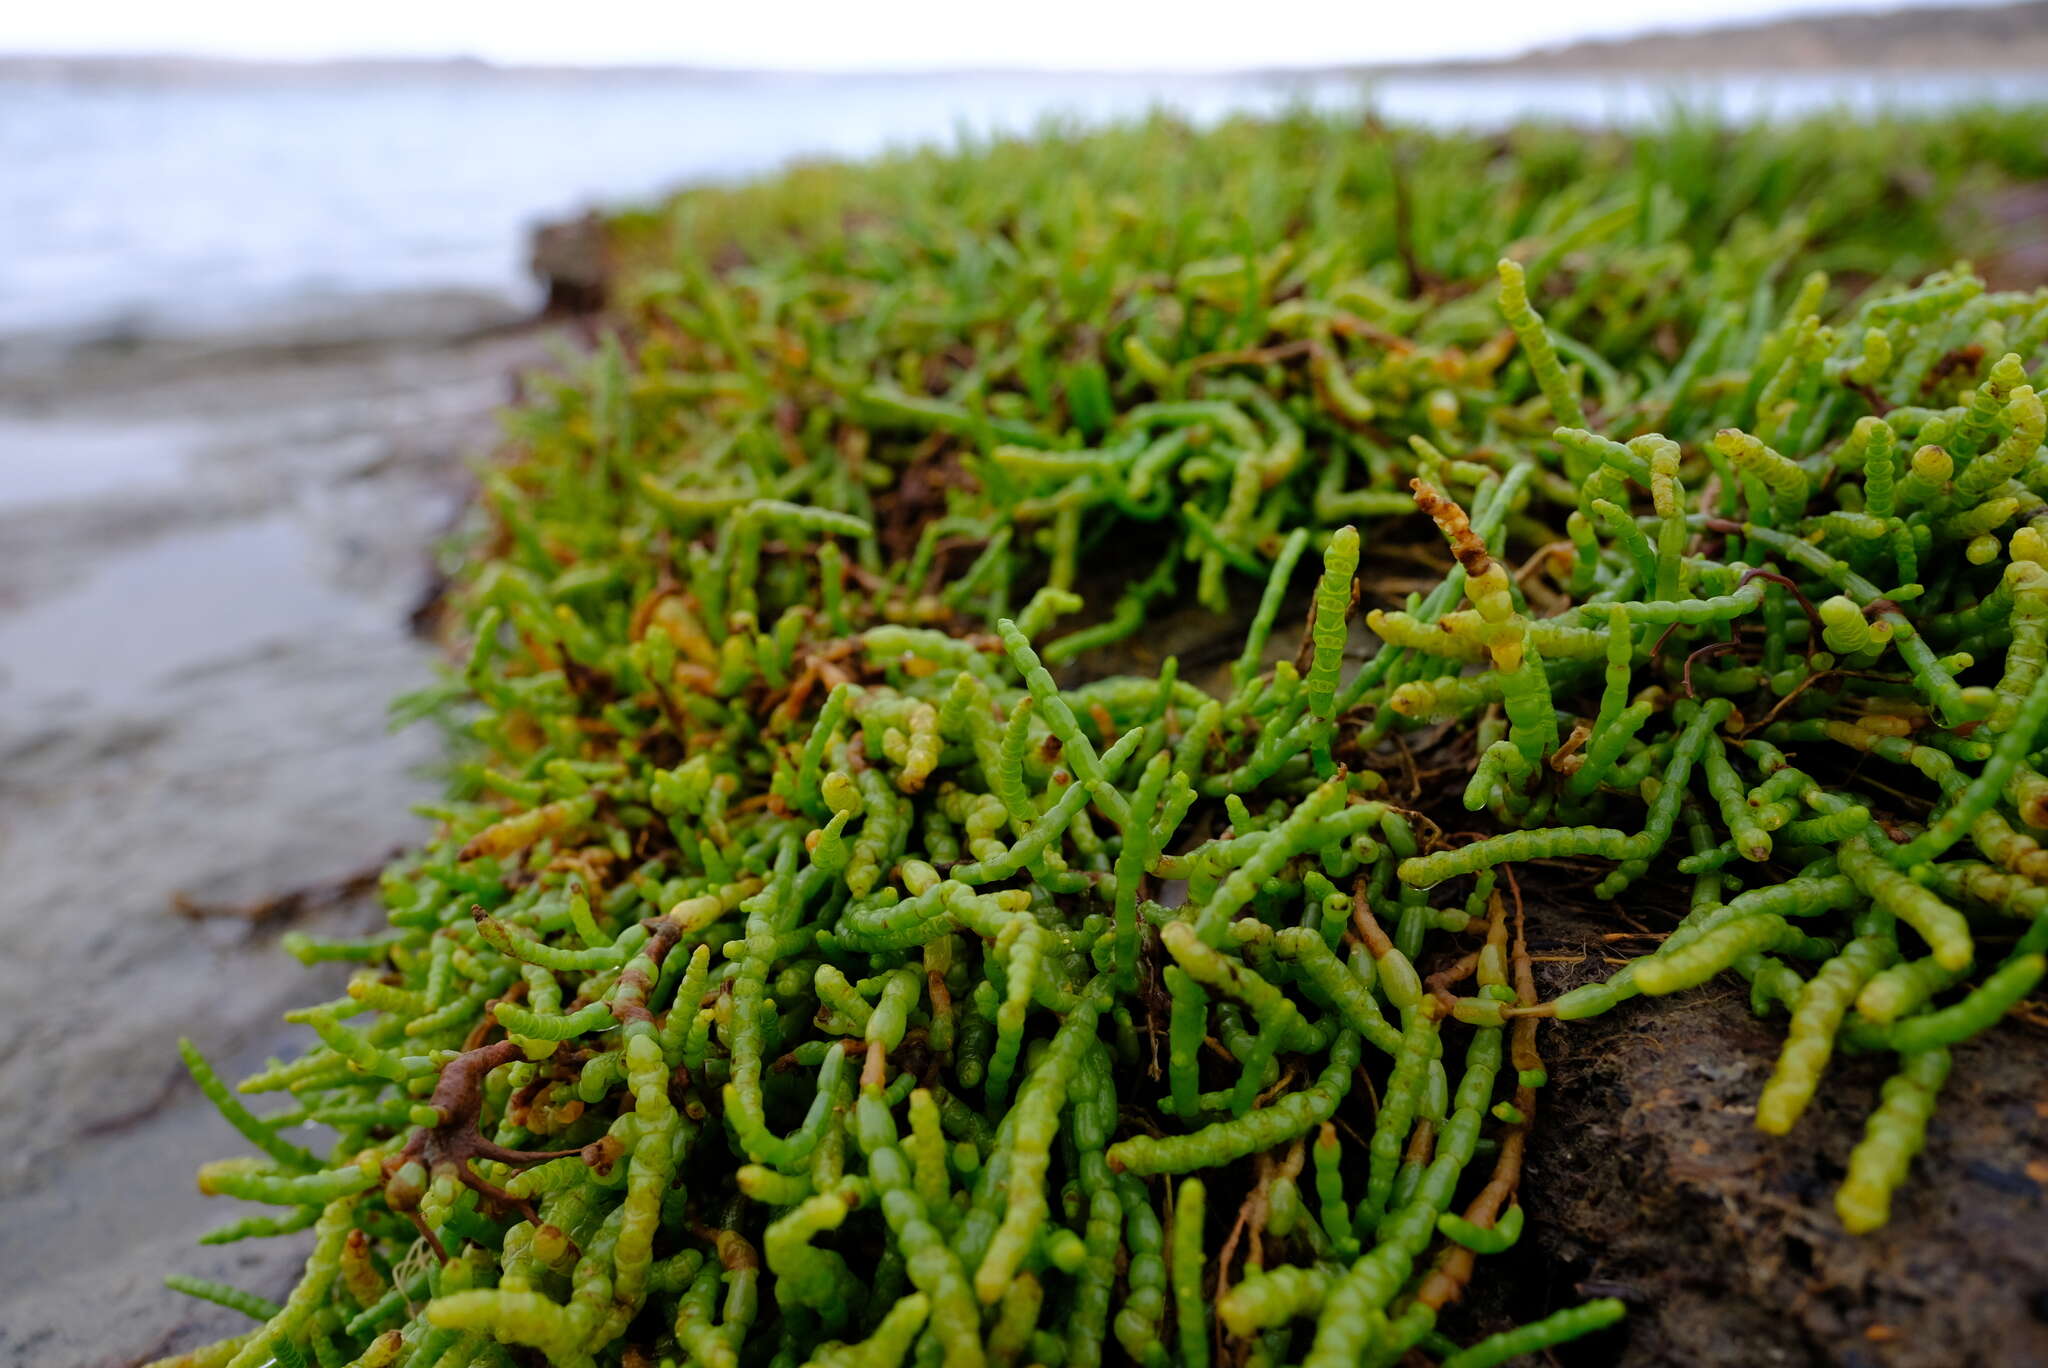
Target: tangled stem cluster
804, 973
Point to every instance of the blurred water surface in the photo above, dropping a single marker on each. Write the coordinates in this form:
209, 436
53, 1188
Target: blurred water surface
136, 209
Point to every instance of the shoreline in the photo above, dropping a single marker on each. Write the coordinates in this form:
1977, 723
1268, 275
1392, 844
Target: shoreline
182, 276
47, 367
215, 552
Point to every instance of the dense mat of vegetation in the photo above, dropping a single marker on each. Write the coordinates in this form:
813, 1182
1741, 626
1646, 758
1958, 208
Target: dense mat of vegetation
804, 975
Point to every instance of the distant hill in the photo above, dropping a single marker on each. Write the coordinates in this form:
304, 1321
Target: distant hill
2000, 38
1927, 37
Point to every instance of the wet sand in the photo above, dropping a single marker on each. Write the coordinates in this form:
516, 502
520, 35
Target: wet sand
211, 558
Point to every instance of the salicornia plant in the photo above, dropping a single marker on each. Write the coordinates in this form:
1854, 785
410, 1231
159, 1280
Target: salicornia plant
822, 961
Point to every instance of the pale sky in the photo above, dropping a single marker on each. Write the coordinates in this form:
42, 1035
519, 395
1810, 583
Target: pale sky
829, 35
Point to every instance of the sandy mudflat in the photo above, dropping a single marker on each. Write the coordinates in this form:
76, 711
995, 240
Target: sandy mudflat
210, 560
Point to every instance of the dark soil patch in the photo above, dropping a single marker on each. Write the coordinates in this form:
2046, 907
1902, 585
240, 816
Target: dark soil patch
1648, 1180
